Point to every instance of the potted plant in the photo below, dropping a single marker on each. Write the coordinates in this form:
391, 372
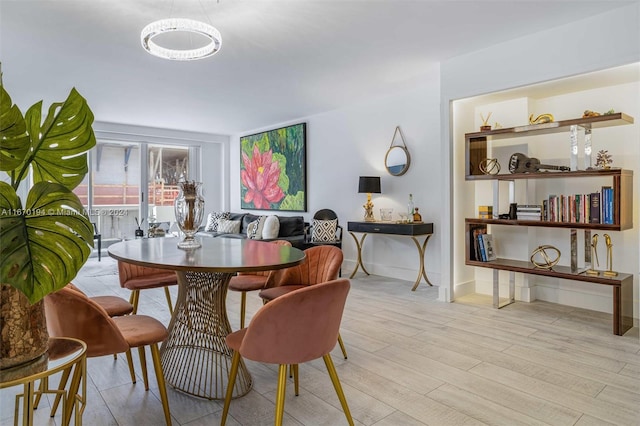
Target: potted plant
44, 241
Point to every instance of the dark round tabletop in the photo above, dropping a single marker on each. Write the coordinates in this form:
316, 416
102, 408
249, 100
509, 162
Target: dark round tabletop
215, 255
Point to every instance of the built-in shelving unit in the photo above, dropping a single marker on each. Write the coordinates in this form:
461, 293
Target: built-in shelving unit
476, 149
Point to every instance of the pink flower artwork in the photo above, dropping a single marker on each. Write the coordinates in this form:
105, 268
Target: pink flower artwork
260, 177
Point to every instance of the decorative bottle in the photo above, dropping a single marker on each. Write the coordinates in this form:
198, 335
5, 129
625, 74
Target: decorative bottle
410, 209
416, 216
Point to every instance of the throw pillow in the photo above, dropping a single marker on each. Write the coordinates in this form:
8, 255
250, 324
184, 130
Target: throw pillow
271, 228
324, 230
254, 229
228, 226
212, 220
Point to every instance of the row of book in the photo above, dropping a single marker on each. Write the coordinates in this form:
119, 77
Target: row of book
482, 248
596, 207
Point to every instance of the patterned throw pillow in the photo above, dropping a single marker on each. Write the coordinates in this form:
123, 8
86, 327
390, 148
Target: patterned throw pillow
271, 228
254, 230
212, 220
324, 230
228, 226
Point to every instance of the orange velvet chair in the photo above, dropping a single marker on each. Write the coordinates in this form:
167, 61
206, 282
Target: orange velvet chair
114, 305
136, 278
322, 263
105, 335
297, 327
251, 281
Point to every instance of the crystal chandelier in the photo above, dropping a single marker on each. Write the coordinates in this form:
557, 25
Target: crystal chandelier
181, 25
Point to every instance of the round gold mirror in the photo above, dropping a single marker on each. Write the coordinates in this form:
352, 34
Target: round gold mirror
397, 160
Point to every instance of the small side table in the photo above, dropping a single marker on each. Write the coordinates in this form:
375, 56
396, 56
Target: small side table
412, 230
64, 354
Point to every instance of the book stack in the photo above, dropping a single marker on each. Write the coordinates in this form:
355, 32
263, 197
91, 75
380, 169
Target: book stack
482, 246
529, 212
596, 207
485, 212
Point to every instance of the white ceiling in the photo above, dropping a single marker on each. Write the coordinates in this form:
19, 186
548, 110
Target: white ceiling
280, 60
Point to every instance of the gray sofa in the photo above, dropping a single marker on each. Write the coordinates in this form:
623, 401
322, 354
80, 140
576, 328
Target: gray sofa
292, 228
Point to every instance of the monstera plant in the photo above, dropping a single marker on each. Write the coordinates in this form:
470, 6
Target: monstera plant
45, 240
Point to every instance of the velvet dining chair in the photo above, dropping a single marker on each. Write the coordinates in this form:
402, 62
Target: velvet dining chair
251, 281
321, 264
297, 327
105, 335
136, 278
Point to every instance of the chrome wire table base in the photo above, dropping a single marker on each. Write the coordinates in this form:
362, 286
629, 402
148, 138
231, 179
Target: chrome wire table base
195, 356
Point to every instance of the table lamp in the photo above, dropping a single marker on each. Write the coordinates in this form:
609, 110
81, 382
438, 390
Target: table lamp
369, 185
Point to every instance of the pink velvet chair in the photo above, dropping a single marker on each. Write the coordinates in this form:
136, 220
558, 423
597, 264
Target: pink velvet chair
104, 335
251, 281
322, 264
297, 327
114, 305
136, 278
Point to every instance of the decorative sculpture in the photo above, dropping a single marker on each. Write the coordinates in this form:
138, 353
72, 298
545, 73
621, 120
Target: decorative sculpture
489, 166
542, 118
603, 160
594, 255
609, 272
547, 261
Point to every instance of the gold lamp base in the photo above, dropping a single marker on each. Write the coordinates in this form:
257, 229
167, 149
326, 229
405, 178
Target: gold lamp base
368, 210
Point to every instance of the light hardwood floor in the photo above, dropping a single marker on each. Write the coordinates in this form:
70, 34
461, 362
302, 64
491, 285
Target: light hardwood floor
412, 361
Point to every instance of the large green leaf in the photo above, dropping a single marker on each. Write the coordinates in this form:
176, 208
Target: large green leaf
60, 144
14, 140
44, 245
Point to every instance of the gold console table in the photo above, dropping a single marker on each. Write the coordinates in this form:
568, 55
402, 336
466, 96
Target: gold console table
413, 230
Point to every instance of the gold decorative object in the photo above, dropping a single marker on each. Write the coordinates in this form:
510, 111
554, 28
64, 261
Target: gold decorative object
489, 166
546, 261
485, 123
609, 272
603, 160
594, 255
542, 118
497, 125
589, 113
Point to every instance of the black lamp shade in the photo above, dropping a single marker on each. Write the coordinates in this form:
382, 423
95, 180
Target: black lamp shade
369, 184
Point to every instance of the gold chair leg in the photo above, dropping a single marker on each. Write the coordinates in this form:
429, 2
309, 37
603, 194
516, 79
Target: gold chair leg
280, 393
167, 294
41, 388
296, 386
130, 363
342, 348
235, 362
243, 308
143, 365
62, 386
135, 296
338, 387
162, 386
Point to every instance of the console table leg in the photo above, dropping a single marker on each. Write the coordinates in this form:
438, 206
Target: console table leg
421, 271
359, 263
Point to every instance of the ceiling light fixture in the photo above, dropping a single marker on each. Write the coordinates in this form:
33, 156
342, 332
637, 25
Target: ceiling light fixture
181, 25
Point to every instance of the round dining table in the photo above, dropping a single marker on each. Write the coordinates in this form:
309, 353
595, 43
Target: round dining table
195, 356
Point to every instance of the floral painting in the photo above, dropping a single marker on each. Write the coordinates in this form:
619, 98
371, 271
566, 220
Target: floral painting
273, 170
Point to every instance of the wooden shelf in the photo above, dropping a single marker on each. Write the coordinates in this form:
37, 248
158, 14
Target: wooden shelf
546, 224
557, 271
600, 121
554, 175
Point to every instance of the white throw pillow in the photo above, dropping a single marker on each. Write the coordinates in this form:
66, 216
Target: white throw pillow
254, 229
324, 230
271, 228
226, 226
212, 220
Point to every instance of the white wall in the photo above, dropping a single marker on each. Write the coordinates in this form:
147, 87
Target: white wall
350, 142
561, 52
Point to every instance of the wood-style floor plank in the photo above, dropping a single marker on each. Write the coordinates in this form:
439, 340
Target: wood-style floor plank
412, 361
